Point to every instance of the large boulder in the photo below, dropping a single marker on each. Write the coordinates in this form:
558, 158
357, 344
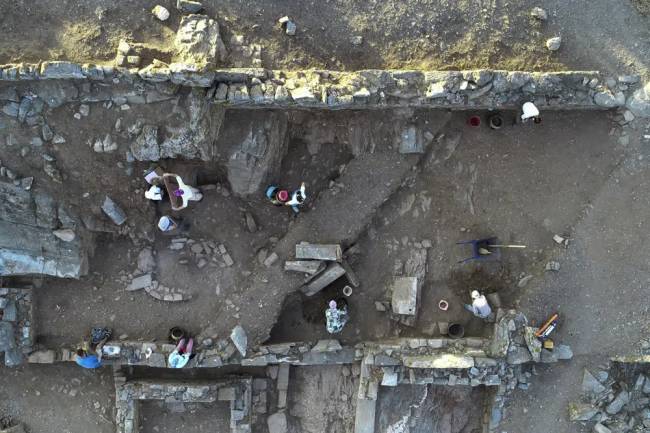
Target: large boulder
190, 134
146, 147
198, 42
262, 143
193, 137
639, 102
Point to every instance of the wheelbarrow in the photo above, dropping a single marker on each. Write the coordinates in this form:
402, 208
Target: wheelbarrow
485, 249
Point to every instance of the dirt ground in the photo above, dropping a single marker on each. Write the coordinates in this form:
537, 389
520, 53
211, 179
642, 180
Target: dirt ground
158, 417
427, 34
570, 175
47, 397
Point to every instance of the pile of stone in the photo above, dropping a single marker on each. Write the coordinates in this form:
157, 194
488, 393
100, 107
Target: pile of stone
154, 288
128, 54
614, 406
516, 341
202, 252
10, 175
322, 264
16, 325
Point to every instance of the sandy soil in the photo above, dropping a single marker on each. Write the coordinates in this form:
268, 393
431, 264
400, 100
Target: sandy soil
428, 34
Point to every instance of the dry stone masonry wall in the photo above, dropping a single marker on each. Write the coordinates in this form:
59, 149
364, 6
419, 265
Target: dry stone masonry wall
259, 88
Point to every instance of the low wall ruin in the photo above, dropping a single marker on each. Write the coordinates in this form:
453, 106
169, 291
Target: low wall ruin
262, 88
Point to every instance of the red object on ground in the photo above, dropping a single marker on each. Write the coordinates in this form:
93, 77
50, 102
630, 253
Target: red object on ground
474, 121
283, 195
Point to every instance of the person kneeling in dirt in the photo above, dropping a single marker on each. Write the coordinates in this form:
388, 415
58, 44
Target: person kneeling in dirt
277, 196
480, 307
181, 355
336, 316
90, 354
297, 198
530, 111
280, 197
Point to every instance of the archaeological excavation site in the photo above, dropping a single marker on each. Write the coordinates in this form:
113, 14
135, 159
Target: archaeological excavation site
324, 216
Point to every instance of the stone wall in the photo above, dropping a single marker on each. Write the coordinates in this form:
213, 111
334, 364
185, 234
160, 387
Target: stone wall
16, 324
258, 88
236, 391
37, 236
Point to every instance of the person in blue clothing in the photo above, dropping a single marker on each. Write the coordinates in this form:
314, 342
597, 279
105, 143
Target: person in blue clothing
88, 360
85, 357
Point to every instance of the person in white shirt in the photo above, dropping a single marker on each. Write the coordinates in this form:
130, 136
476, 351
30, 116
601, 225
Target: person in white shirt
480, 307
154, 193
297, 198
530, 111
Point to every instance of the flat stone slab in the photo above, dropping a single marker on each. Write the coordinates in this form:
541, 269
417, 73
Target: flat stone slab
405, 294
310, 267
333, 272
364, 421
319, 252
442, 360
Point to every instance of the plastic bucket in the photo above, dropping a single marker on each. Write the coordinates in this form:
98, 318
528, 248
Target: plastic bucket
176, 333
496, 121
474, 121
456, 331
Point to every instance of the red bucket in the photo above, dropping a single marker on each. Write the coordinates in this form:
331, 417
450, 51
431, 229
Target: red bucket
474, 121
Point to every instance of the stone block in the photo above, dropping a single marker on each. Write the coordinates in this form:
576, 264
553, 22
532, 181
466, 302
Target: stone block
310, 267
277, 423
283, 377
42, 357
364, 420
306, 251
114, 212
140, 282
389, 377
61, 70
404, 299
282, 399
303, 96
226, 394
439, 361
239, 339
333, 272
327, 346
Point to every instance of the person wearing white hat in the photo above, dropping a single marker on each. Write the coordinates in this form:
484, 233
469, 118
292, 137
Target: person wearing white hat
167, 224
154, 193
530, 111
480, 307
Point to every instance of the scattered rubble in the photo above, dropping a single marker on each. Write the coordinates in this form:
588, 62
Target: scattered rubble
539, 13
553, 44
160, 12
614, 405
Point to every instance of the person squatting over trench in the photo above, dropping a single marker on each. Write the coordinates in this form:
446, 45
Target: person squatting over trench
336, 316
280, 197
182, 354
480, 307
